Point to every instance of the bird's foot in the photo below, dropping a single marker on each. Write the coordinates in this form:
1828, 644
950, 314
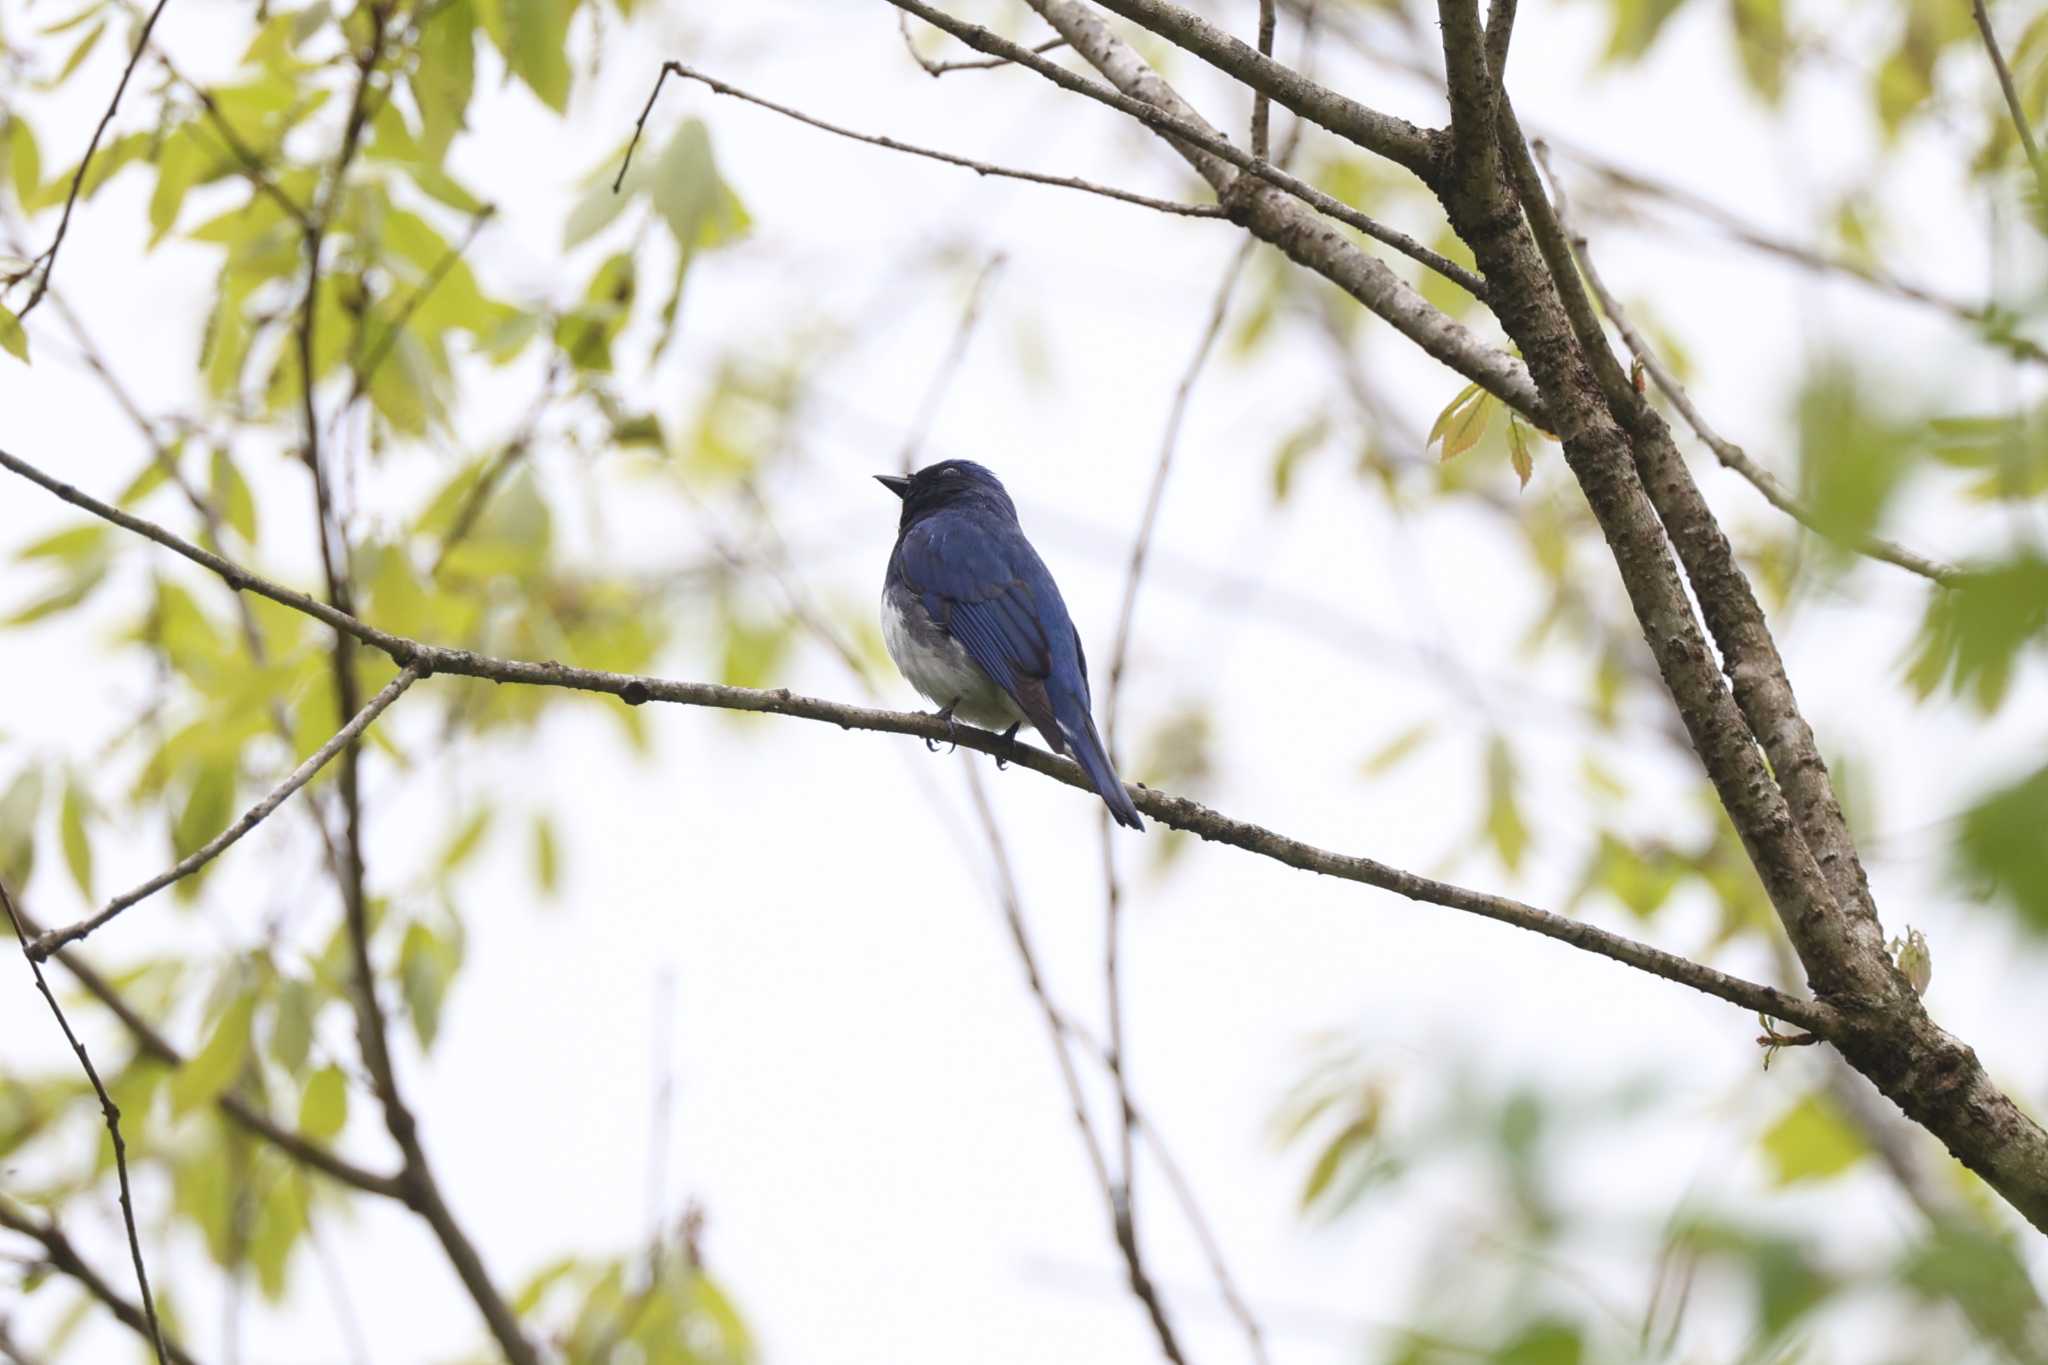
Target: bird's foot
945, 713
1009, 746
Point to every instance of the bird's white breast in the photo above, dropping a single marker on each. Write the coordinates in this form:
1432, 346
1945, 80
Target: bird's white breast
938, 666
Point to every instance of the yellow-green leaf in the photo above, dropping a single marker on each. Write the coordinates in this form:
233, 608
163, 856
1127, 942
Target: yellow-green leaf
1518, 450
13, 336
24, 161
206, 1075
77, 846
1811, 1141
323, 1110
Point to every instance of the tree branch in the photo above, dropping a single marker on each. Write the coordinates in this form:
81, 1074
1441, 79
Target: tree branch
1182, 125
152, 1330
2013, 103
49, 942
934, 68
1176, 812
48, 259
1262, 103
57, 1249
719, 87
1640, 491
1271, 214
1117, 1198
1398, 140
1730, 454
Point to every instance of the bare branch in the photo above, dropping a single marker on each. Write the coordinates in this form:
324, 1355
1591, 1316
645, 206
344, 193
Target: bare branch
1730, 454
1176, 812
1395, 139
48, 260
936, 68
719, 87
1183, 127
48, 943
1500, 29
1115, 1196
59, 1252
2013, 104
111, 1112
1262, 103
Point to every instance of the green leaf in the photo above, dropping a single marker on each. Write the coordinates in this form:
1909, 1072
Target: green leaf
1295, 447
446, 76
1518, 450
1762, 44
323, 1110
533, 36
13, 336
466, 841
1391, 754
2003, 842
202, 1078
81, 52
1548, 1341
547, 857
19, 806
1975, 629
178, 166
1811, 1141
231, 496
427, 963
1460, 425
77, 846
1505, 828
209, 804
24, 162
291, 1024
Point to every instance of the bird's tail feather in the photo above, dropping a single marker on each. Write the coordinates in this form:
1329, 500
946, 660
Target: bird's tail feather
1087, 748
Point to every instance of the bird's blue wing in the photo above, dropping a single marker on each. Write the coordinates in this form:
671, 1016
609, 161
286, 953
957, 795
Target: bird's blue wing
977, 583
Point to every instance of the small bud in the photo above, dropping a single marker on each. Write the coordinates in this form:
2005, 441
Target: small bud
1915, 962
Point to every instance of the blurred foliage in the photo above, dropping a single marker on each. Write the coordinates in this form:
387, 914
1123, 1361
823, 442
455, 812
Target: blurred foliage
482, 545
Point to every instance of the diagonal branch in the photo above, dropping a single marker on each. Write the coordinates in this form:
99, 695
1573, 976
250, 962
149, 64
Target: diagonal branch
1182, 126
1116, 1196
48, 260
2013, 103
719, 87
110, 1112
49, 942
1272, 212
1729, 453
939, 68
59, 1252
1173, 811
1398, 140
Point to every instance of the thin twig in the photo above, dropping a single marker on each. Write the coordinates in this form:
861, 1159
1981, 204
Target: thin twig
1262, 103
949, 365
48, 943
111, 1112
1182, 130
1119, 1208
48, 260
937, 68
62, 1256
719, 87
1731, 455
153, 1044
1119, 657
2013, 103
367, 371
1174, 811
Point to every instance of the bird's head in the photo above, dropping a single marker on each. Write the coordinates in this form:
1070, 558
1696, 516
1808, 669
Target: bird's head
947, 484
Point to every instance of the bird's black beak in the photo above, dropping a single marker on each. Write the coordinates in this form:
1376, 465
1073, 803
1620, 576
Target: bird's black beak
895, 483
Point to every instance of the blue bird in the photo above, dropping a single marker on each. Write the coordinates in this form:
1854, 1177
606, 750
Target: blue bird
975, 622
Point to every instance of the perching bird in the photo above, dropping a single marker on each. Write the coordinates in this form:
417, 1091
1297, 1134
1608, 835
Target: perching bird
975, 622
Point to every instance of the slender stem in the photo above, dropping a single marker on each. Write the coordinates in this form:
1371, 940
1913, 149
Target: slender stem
1173, 811
109, 1111
47, 943
48, 260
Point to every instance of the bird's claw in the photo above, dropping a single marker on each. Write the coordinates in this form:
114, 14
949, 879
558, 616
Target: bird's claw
945, 713
1009, 746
